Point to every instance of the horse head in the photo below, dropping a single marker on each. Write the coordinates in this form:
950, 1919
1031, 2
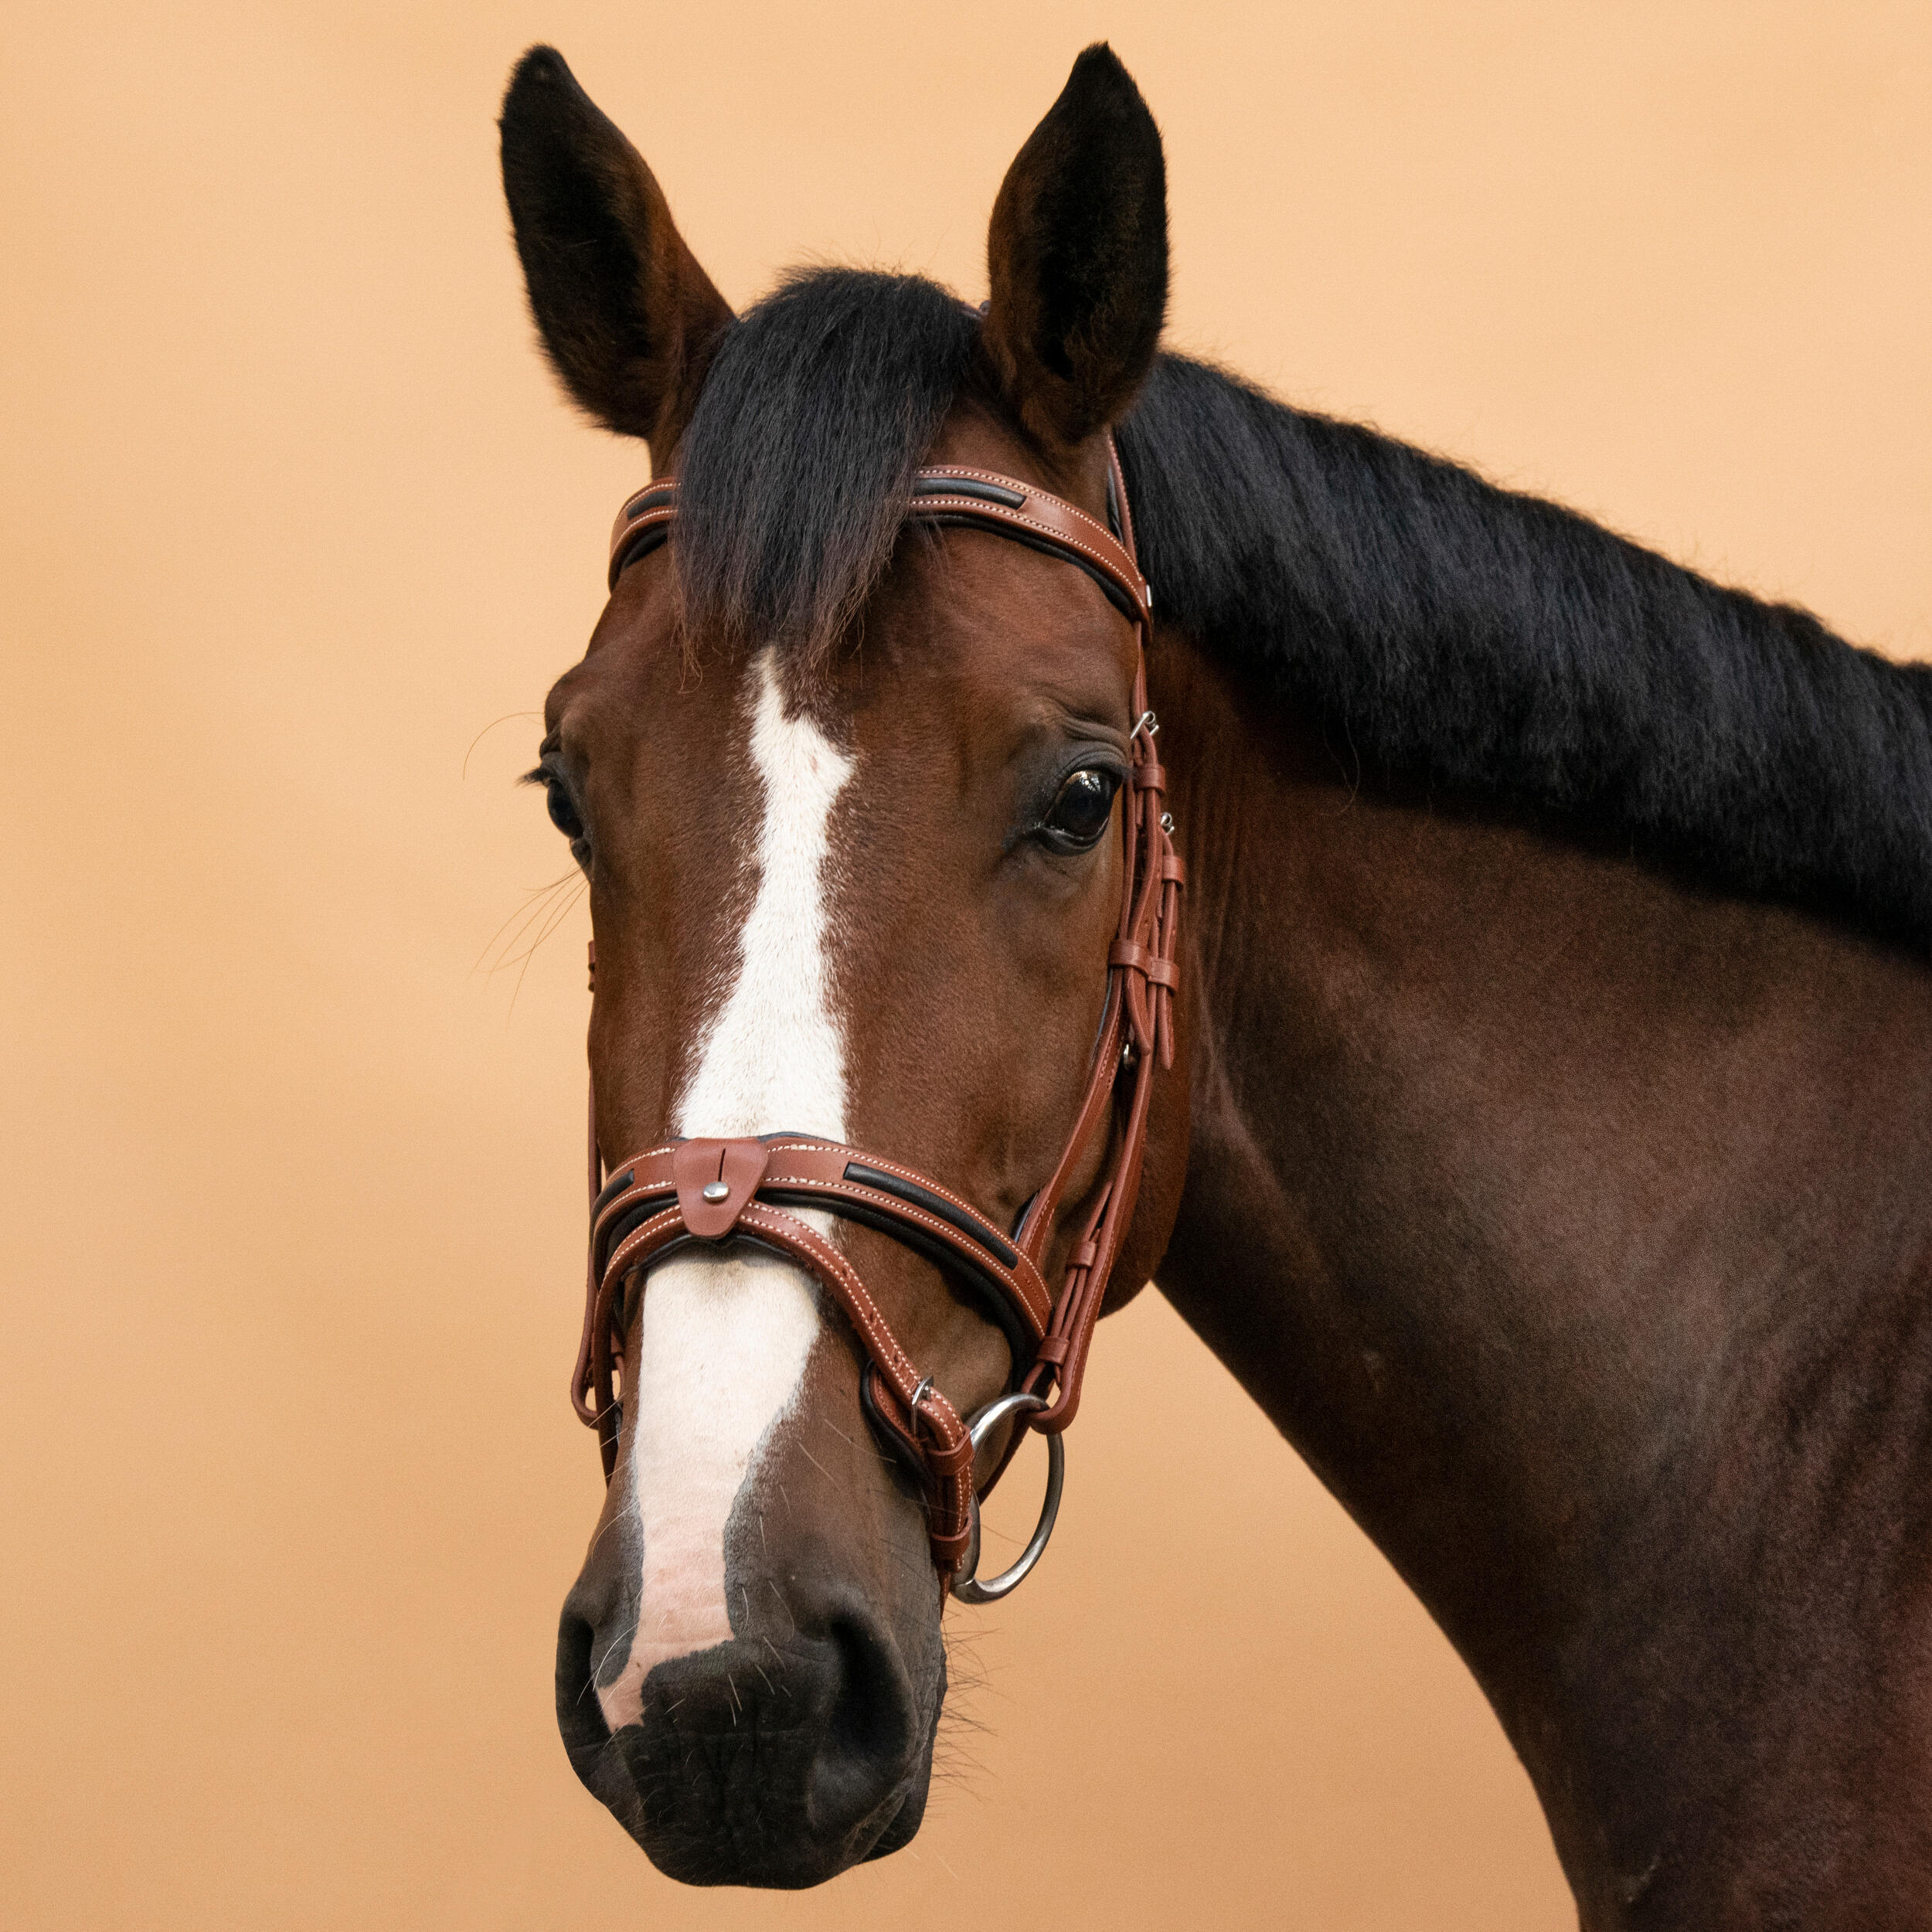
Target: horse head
850, 792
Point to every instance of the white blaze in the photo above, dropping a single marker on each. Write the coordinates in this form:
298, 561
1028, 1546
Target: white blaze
726, 1336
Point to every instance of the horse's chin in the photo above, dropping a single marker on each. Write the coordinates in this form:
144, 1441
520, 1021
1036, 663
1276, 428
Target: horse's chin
903, 1825
719, 1791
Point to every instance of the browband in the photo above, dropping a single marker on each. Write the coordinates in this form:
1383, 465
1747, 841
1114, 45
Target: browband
945, 493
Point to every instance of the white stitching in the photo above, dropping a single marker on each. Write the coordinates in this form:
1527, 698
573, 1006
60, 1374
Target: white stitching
636, 1236
871, 1321
910, 1213
637, 1160
938, 471
884, 1167
1135, 586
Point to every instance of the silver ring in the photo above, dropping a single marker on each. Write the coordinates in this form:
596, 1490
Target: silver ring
965, 1586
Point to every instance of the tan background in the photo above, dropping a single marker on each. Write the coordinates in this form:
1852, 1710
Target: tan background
289, 1492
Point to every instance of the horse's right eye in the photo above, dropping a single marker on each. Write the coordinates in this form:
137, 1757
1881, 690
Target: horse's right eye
562, 807
563, 813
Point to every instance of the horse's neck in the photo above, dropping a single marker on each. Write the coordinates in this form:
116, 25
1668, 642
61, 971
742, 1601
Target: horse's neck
1574, 1226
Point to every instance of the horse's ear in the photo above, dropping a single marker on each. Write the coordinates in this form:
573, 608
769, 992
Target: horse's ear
1077, 253
628, 318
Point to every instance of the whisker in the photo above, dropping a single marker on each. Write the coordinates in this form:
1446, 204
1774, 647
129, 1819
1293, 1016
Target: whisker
555, 919
850, 1444
490, 726
544, 919
531, 910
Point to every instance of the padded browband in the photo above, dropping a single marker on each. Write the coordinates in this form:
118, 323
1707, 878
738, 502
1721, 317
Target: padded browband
944, 494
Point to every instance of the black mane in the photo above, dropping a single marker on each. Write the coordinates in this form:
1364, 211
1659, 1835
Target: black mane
1498, 646
1491, 644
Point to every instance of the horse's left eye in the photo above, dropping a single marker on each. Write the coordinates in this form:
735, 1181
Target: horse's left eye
1081, 810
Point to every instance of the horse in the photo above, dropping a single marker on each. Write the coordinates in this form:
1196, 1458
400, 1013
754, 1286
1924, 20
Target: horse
1546, 1139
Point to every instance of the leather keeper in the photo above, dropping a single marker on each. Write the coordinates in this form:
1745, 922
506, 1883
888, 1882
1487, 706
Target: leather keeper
950, 1551
1150, 966
947, 1459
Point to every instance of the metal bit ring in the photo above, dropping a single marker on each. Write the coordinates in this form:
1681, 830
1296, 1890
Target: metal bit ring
966, 1586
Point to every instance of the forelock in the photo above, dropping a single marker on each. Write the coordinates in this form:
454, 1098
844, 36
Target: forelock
795, 474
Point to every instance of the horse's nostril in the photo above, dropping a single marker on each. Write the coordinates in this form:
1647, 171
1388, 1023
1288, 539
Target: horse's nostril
872, 1732
580, 1716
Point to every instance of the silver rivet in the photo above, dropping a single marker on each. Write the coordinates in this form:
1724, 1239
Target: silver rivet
716, 1191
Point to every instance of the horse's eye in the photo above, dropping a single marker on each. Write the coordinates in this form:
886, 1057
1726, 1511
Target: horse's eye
563, 814
1081, 812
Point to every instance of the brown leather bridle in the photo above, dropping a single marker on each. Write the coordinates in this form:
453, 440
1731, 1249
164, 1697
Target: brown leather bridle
750, 1190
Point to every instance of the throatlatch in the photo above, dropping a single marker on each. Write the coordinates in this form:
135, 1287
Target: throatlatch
750, 1190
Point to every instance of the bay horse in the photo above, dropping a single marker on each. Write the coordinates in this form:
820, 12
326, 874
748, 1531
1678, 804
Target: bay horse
1547, 1141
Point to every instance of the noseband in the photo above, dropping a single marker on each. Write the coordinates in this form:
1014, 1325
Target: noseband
714, 1191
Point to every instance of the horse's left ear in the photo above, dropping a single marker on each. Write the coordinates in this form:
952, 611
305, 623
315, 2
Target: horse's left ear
1077, 253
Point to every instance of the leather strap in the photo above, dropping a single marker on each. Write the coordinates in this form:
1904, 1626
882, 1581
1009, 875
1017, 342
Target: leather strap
749, 1189
946, 494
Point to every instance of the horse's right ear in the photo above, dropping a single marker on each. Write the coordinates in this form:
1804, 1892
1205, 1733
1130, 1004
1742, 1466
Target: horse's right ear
628, 318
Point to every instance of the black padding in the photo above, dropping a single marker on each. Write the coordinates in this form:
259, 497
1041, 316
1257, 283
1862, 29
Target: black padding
627, 1223
902, 1451
969, 486
647, 541
663, 493
970, 1225
612, 1188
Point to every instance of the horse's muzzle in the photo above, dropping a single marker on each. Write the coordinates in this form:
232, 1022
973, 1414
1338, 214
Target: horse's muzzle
755, 1762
